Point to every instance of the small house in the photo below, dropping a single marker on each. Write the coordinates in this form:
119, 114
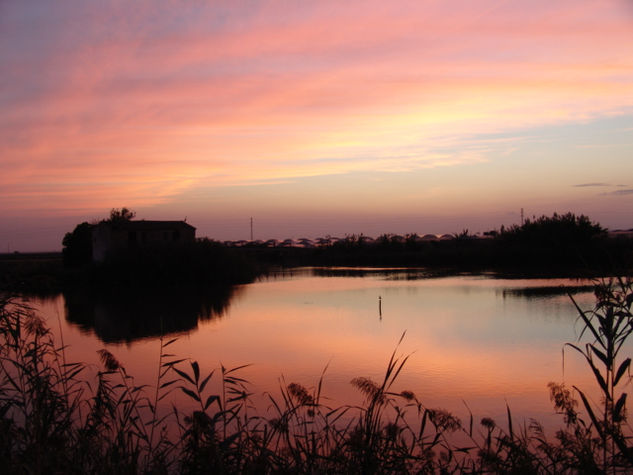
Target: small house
113, 236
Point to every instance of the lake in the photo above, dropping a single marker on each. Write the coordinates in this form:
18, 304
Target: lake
478, 341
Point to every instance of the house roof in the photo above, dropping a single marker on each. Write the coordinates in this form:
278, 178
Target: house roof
143, 225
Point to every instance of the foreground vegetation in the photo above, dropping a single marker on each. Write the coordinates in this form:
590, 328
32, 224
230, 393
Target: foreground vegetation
57, 417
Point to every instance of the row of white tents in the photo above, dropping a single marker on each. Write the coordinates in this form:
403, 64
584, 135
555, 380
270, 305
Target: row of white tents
330, 240
367, 240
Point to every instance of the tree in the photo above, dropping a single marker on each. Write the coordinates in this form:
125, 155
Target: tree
77, 245
123, 214
557, 230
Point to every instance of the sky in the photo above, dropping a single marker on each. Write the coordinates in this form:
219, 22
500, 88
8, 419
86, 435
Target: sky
313, 118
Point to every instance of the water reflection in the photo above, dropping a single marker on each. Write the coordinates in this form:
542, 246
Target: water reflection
127, 317
481, 339
546, 291
386, 273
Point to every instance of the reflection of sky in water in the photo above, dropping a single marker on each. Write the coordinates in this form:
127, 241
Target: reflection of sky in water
469, 337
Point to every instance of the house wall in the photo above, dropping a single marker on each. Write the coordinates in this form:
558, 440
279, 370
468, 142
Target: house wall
101, 238
108, 238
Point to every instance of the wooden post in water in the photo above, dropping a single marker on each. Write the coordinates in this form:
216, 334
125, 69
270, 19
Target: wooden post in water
380, 307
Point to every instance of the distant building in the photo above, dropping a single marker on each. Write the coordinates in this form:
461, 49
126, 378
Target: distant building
108, 236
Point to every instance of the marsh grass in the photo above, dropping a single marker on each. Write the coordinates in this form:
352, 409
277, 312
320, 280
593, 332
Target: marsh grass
56, 417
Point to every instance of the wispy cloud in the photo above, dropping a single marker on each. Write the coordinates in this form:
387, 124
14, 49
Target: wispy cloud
139, 104
589, 185
622, 192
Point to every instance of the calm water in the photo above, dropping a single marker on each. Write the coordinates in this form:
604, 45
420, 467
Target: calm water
477, 340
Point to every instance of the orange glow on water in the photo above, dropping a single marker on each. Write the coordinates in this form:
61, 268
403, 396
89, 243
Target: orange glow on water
468, 340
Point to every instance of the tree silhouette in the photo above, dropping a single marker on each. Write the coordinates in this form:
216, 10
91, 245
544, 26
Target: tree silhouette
123, 214
557, 230
77, 245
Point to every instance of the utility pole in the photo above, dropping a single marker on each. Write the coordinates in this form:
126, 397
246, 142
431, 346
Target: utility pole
251, 228
521, 216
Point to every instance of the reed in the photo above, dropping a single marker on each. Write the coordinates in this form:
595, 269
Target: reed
609, 326
60, 416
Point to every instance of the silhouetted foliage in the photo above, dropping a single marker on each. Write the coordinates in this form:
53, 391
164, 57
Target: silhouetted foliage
77, 245
561, 245
561, 241
556, 231
609, 325
123, 214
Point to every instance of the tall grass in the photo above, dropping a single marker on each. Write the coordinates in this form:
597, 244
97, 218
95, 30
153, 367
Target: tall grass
58, 416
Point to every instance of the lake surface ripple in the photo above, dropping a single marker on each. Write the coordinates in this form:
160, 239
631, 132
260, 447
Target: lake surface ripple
478, 341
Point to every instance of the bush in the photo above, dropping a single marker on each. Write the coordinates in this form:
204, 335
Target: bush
77, 245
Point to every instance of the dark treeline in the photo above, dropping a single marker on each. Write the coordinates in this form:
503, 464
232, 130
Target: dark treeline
565, 245
42, 273
560, 245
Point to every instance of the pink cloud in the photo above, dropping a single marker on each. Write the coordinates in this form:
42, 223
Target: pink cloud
145, 102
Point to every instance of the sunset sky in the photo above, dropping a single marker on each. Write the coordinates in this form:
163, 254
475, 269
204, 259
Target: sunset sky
314, 118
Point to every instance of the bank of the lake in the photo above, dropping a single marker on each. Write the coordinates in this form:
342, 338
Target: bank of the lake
200, 264
211, 263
